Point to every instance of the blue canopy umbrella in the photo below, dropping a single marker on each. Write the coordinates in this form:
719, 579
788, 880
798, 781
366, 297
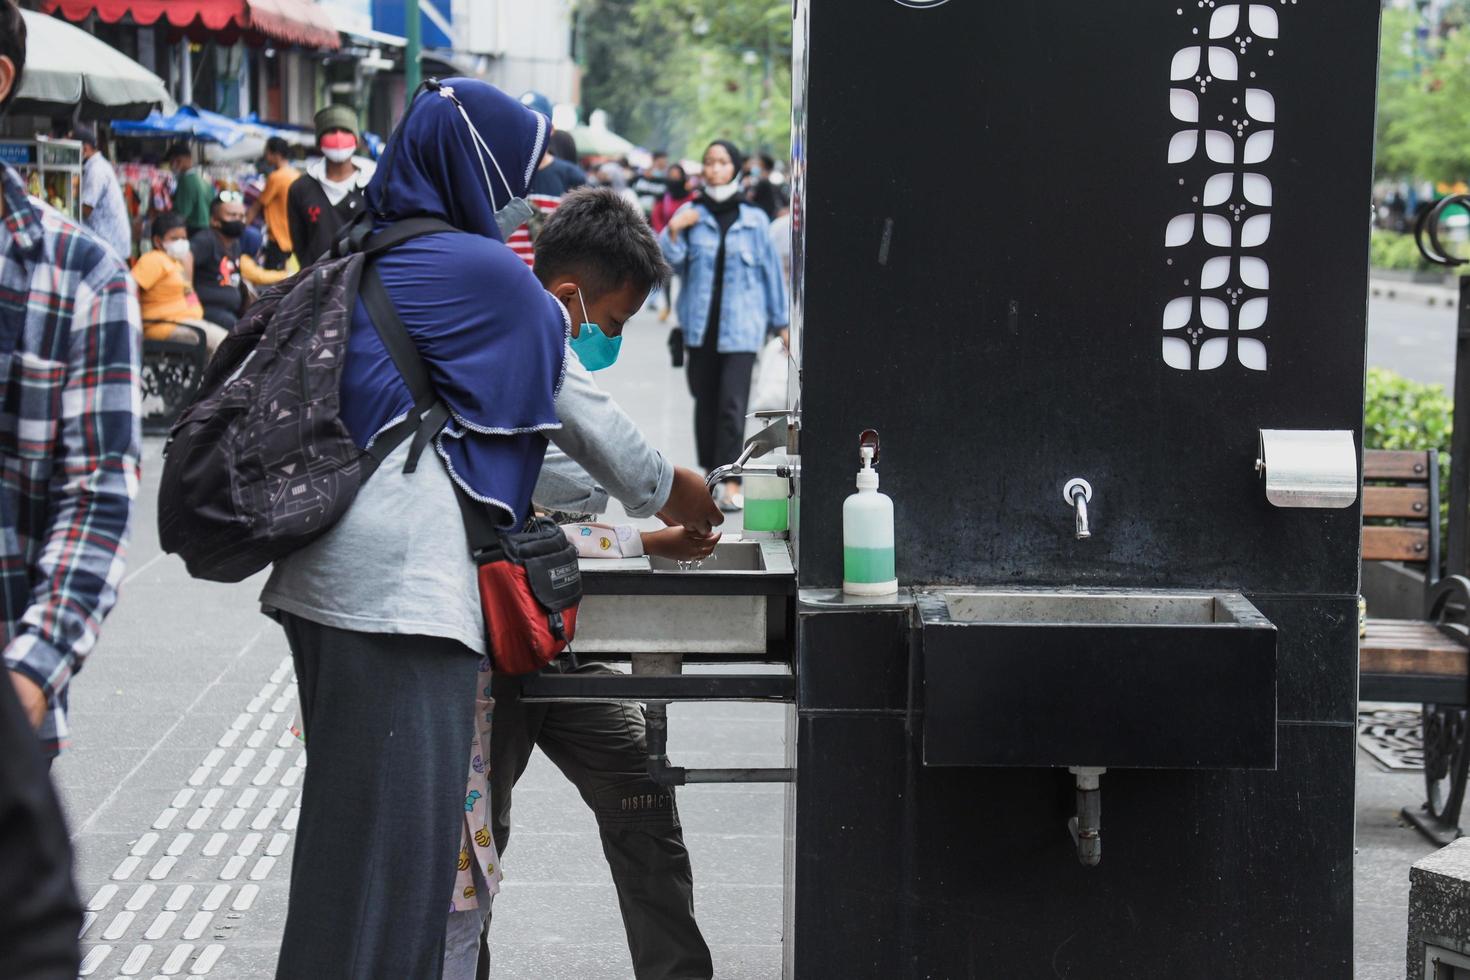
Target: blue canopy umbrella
200, 124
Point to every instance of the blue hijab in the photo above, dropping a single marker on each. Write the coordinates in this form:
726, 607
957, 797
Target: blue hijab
493, 339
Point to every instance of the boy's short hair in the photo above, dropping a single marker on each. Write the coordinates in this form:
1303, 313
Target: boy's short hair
12, 43
601, 239
277, 144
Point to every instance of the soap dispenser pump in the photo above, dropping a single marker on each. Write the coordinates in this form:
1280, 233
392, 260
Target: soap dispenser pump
867, 531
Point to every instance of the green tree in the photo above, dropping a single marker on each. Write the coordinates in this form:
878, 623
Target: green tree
1399, 84
677, 73
632, 64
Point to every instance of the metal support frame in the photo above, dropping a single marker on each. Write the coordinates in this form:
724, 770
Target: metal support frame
676, 687
1459, 530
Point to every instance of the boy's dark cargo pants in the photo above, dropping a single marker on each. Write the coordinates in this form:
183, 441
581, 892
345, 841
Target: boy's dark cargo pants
600, 747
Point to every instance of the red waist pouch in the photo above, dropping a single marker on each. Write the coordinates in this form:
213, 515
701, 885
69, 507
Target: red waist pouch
530, 586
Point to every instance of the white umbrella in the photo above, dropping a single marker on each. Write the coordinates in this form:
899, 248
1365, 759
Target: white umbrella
596, 140
67, 68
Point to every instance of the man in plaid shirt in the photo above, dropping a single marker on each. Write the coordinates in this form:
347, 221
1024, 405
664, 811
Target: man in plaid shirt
70, 338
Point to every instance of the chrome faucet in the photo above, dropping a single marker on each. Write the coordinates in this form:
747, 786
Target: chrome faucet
1078, 494
772, 437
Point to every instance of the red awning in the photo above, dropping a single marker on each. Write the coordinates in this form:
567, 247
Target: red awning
291, 21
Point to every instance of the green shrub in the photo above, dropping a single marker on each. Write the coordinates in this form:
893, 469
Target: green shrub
1403, 414
1393, 250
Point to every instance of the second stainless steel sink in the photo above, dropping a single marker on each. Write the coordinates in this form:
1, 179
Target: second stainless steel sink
1100, 607
1116, 678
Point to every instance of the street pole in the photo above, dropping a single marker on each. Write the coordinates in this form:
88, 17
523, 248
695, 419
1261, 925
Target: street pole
412, 71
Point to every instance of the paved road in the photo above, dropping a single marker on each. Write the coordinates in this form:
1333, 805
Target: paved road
183, 786
1412, 338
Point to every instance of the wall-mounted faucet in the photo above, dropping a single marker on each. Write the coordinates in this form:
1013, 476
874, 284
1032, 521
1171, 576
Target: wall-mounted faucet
774, 436
1078, 494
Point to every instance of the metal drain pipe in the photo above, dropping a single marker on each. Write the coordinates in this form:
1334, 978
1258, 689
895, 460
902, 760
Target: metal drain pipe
656, 717
1086, 826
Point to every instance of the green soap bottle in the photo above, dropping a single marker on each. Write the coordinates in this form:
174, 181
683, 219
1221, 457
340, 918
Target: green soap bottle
867, 536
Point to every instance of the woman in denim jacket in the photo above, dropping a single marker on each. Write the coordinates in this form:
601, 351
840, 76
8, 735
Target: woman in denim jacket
734, 298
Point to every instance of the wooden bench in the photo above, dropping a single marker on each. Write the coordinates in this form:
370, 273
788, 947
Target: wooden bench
1428, 659
172, 370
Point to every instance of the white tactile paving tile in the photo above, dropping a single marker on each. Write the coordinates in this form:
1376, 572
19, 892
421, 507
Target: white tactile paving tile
197, 925
176, 960
207, 959
136, 960
140, 897
92, 959
258, 762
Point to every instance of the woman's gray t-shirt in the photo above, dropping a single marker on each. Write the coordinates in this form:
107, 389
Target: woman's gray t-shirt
398, 560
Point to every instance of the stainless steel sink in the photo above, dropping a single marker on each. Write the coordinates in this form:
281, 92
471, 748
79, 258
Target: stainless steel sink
738, 603
1116, 678
1100, 607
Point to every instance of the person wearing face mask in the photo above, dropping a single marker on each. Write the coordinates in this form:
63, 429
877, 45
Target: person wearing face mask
388, 665
272, 204
166, 294
216, 252
676, 195
599, 258
330, 193
734, 297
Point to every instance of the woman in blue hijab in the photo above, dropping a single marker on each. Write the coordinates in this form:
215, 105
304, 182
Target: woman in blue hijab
494, 339
382, 612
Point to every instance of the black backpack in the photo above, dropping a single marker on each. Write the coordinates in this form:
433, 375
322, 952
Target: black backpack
260, 463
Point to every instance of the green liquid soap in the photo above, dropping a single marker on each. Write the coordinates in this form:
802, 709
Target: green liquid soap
765, 515
867, 565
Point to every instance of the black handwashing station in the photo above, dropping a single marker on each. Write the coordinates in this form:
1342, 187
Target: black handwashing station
1097, 272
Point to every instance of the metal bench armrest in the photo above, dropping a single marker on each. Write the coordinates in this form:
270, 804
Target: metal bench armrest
1447, 606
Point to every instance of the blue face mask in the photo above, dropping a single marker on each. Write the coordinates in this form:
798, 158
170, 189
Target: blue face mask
595, 349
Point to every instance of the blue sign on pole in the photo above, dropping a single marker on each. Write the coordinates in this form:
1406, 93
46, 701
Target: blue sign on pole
436, 21
17, 154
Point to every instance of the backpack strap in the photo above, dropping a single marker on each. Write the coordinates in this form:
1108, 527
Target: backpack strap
429, 413
401, 231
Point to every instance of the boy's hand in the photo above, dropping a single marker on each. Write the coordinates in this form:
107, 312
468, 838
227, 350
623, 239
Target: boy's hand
679, 544
690, 504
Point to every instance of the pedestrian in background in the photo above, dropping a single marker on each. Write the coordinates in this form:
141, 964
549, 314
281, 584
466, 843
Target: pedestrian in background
272, 203
781, 231
676, 195
614, 175
554, 178
217, 260
330, 193
734, 297
166, 297
759, 188
69, 440
191, 194
103, 210
649, 185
